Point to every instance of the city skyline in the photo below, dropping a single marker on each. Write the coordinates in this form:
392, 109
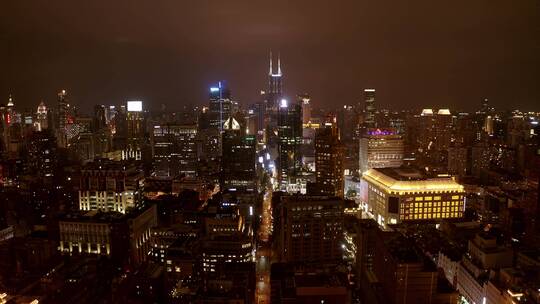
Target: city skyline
263, 153
485, 51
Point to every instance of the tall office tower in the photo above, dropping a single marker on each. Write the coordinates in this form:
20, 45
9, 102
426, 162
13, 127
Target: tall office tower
238, 159
64, 117
256, 112
63, 110
444, 125
310, 229
289, 143
304, 99
221, 106
347, 120
135, 130
369, 108
41, 154
42, 117
174, 149
13, 132
6, 120
458, 160
110, 186
100, 117
381, 148
275, 85
329, 158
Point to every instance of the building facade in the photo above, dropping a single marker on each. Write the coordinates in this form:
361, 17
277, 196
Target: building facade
395, 195
110, 186
380, 148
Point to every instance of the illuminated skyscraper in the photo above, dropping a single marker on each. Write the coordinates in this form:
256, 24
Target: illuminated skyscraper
42, 117
275, 84
64, 117
221, 105
369, 107
290, 140
306, 107
135, 130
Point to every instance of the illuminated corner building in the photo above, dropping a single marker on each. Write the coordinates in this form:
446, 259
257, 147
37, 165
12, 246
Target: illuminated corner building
380, 148
310, 229
135, 130
329, 157
290, 141
221, 105
219, 250
174, 149
121, 237
110, 186
238, 159
396, 195
369, 108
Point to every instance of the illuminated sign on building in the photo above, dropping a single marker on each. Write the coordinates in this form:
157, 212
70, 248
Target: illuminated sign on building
134, 106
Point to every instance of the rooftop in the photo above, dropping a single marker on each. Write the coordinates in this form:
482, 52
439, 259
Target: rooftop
410, 180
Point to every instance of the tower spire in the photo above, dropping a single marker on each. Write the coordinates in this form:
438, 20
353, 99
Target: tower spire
270, 71
279, 64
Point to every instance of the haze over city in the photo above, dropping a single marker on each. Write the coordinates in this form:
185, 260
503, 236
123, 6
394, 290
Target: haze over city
417, 53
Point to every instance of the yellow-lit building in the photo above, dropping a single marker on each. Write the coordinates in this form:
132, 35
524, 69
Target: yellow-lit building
395, 195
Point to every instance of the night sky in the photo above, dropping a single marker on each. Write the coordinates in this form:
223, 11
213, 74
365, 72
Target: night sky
415, 53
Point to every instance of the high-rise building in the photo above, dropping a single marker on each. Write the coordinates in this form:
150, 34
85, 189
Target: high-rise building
64, 117
380, 148
395, 195
275, 85
110, 186
329, 157
135, 130
310, 229
369, 108
238, 159
444, 124
100, 117
305, 100
41, 154
174, 149
458, 160
42, 117
221, 106
290, 141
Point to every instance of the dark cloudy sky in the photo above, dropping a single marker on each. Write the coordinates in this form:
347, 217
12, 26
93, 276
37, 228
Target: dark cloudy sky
416, 53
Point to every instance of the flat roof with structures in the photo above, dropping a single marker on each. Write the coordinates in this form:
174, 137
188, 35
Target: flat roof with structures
405, 180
